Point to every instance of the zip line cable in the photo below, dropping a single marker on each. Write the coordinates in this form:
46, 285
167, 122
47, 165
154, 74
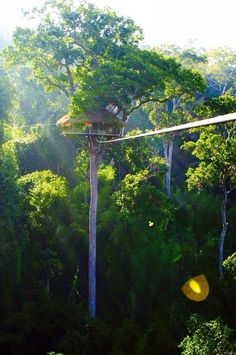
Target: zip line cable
207, 122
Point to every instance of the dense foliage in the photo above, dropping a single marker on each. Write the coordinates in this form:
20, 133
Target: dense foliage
148, 243
211, 337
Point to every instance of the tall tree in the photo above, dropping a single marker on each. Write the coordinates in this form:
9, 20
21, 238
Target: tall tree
92, 56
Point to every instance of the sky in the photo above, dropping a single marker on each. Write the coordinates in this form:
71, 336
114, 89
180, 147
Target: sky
206, 23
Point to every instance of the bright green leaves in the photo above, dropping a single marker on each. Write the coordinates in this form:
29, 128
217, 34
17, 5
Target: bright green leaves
138, 198
70, 38
207, 337
218, 106
42, 192
203, 175
230, 266
192, 81
91, 55
106, 173
131, 77
129, 189
215, 149
217, 166
43, 188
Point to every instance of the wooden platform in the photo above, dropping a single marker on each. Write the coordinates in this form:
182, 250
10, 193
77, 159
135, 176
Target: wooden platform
100, 134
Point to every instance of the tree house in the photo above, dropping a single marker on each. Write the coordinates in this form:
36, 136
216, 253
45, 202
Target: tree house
100, 122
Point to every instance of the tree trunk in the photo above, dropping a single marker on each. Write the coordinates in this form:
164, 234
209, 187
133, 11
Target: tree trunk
223, 232
168, 146
92, 226
48, 287
168, 151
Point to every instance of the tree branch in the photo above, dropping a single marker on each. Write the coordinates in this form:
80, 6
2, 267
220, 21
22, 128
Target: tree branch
71, 81
150, 100
56, 85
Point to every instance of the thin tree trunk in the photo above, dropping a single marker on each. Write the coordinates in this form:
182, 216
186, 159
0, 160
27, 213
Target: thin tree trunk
223, 232
223, 89
92, 227
168, 146
48, 287
168, 152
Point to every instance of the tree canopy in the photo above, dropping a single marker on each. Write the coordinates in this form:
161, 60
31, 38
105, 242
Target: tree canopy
92, 56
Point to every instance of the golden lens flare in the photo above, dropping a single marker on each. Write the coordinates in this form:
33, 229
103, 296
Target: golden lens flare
196, 289
194, 285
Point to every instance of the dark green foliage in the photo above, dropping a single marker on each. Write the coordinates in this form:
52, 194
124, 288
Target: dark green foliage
43, 325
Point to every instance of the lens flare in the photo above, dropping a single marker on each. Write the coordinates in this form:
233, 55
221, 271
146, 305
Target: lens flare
195, 286
196, 289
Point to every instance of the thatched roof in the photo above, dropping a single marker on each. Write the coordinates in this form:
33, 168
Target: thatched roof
64, 121
94, 116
